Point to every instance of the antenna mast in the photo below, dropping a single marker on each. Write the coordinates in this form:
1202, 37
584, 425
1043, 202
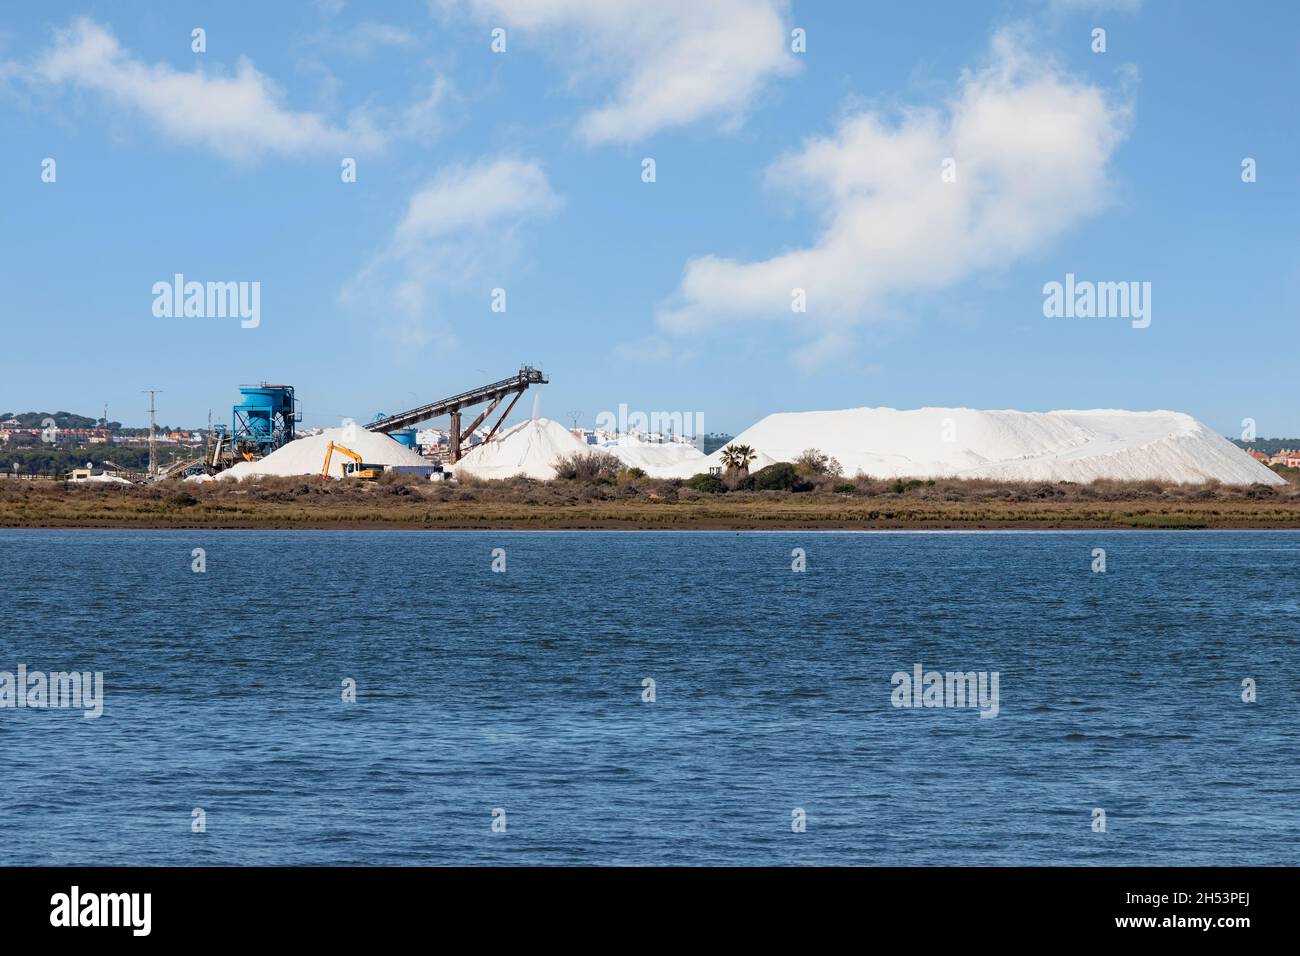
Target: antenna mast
153, 431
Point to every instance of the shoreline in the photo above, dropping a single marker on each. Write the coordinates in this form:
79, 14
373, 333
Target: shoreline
1008, 527
544, 521
642, 505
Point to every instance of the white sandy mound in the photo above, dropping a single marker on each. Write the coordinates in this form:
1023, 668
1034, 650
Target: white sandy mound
199, 479
702, 465
529, 448
306, 456
1011, 446
656, 459
102, 480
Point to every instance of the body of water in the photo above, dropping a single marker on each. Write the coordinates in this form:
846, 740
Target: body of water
521, 696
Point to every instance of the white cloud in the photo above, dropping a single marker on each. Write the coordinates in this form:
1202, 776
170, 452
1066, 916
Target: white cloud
672, 62
474, 198
239, 116
458, 231
426, 115
650, 349
1093, 6
1031, 147
362, 40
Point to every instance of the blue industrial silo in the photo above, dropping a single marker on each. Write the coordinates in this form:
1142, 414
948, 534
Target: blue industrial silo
264, 419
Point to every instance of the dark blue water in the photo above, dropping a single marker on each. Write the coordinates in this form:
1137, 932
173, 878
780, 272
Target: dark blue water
523, 691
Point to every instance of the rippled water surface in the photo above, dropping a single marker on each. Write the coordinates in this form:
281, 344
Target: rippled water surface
524, 691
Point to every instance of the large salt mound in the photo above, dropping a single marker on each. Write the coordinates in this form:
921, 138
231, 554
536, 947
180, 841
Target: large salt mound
306, 456
529, 448
1010, 446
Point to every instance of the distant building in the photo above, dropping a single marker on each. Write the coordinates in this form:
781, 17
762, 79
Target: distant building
55, 435
431, 441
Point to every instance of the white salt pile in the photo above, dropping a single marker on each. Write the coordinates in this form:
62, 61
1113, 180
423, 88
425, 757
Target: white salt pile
529, 448
883, 442
306, 456
1007, 445
102, 480
704, 463
657, 459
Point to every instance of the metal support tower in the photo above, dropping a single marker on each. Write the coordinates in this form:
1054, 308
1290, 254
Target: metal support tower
495, 394
153, 432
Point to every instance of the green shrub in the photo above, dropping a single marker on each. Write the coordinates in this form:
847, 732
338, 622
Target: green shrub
899, 486
779, 477
814, 463
588, 466
708, 483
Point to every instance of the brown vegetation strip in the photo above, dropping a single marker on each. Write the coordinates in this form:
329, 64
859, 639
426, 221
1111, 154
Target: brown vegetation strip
864, 503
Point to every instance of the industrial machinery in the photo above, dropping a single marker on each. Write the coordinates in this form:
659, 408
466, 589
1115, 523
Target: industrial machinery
495, 393
264, 419
262, 422
353, 469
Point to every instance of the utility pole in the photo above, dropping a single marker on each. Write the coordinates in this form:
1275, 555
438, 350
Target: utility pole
153, 429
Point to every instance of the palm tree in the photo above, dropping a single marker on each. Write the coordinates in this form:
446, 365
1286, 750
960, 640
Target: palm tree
735, 461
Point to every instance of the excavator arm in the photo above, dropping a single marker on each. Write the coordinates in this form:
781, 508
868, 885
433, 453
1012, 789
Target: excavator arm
342, 450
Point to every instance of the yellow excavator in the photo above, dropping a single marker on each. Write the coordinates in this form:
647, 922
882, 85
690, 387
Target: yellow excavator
353, 469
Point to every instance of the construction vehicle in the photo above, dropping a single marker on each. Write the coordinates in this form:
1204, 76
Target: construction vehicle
353, 469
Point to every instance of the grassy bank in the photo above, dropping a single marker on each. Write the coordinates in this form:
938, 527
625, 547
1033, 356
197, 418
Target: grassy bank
863, 503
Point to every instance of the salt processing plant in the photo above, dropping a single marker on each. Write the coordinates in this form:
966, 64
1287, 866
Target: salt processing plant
1005, 445
264, 429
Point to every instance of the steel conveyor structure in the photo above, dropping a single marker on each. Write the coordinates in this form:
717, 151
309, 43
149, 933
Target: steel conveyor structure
495, 393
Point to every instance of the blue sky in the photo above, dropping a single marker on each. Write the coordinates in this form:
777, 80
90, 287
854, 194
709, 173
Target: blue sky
522, 170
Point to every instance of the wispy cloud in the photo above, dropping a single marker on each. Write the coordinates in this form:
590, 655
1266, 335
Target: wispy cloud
671, 62
457, 229
1093, 6
426, 115
362, 40
652, 350
239, 115
1031, 148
